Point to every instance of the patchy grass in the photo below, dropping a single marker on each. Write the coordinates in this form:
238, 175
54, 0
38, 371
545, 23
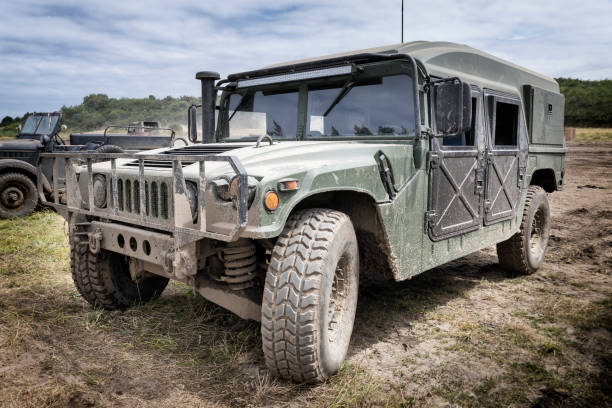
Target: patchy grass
593, 134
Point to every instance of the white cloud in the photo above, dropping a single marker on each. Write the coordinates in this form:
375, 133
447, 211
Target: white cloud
54, 53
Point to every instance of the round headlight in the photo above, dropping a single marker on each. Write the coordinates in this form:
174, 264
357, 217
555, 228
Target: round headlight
99, 191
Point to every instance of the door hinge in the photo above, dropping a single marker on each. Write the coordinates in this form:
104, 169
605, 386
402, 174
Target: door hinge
480, 179
430, 219
434, 161
487, 206
521, 177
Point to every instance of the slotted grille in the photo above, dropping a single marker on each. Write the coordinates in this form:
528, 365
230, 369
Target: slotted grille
157, 198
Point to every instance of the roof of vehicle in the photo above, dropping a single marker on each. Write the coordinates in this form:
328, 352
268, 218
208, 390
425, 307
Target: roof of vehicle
446, 59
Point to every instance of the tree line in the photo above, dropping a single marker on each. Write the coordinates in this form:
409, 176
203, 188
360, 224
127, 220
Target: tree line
587, 103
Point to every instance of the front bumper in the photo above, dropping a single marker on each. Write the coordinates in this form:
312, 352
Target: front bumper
178, 220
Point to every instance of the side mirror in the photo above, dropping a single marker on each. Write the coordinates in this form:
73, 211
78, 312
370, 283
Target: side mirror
192, 127
453, 106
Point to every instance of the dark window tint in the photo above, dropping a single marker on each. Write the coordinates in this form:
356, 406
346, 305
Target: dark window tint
381, 107
506, 124
465, 138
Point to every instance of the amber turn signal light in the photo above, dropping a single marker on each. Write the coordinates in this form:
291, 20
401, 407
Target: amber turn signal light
271, 201
288, 185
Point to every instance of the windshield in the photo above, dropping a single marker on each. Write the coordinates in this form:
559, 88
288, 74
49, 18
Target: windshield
256, 113
377, 107
39, 124
382, 107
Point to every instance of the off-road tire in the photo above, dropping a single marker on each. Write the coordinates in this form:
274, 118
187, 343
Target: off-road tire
523, 253
314, 267
18, 195
104, 280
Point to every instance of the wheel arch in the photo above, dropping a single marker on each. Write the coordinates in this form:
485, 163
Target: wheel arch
545, 178
361, 207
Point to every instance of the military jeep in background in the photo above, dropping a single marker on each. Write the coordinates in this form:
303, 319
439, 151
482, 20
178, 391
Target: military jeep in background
382, 162
40, 132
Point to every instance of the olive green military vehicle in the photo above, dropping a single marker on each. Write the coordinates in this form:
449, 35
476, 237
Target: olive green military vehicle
377, 163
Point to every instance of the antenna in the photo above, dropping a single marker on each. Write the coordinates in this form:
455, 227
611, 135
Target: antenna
402, 20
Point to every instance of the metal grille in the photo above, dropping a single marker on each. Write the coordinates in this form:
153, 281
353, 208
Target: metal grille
157, 198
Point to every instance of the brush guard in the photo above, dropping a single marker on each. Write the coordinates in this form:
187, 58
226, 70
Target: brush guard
179, 223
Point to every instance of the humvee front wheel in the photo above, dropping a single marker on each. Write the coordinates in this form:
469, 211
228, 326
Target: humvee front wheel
523, 253
104, 279
18, 195
310, 296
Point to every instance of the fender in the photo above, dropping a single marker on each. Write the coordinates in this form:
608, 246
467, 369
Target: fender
24, 167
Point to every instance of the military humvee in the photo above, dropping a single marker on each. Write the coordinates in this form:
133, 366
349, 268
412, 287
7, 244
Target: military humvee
382, 162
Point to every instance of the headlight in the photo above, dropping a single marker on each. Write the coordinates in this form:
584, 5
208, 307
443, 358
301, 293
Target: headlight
226, 188
99, 191
192, 196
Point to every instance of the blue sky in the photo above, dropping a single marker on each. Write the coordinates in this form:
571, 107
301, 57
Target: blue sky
53, 53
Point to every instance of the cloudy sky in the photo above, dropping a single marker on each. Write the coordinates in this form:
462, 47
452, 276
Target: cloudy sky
52, 53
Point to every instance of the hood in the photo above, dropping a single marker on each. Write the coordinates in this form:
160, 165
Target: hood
20, 144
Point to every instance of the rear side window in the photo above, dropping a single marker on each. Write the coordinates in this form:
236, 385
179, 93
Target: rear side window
506, 124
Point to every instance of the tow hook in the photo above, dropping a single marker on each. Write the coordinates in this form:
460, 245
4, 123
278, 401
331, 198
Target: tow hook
95, 241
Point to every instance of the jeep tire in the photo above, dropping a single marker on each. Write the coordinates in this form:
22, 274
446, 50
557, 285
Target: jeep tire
310, 296
523, 253
18, 195
104, 279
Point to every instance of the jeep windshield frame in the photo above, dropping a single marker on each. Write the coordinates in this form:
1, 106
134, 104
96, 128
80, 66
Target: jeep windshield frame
38, 125
365, 93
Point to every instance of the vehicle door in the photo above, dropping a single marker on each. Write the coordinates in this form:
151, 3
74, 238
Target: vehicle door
456, 179
505, 155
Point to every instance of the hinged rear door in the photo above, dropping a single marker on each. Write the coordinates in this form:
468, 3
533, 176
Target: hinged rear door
456, 181
504, 157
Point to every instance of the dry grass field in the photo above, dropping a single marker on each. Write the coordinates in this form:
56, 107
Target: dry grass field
466, 334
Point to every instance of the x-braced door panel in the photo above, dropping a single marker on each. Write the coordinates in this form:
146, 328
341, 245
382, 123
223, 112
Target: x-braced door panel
456, 181
503, 157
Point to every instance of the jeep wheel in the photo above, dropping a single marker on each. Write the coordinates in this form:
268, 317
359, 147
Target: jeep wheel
18, 195
524, 252
104, 279
310, 296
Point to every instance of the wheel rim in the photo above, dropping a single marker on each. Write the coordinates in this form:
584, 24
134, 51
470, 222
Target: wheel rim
12, 198
338, 299
536, 237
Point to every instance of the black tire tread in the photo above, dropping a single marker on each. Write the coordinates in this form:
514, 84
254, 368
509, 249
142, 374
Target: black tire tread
28, 182
93, 281
511, 253
289, 318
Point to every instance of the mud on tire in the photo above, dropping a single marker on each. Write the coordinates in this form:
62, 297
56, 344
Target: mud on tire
310, 296
18, 195
523, 253
104, 279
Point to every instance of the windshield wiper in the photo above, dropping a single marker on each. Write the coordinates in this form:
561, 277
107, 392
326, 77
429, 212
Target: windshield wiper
242, 100
345, 90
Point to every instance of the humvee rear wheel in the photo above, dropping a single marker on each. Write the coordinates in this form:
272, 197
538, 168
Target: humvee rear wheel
104, 279
18, 195
310, 296
524, 252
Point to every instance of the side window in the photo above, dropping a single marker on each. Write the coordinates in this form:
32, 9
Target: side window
465, 138
506, 124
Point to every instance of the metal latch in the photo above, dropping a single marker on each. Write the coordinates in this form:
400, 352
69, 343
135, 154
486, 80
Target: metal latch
386, 175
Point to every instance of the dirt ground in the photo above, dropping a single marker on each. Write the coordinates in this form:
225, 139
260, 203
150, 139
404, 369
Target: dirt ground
465, 334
